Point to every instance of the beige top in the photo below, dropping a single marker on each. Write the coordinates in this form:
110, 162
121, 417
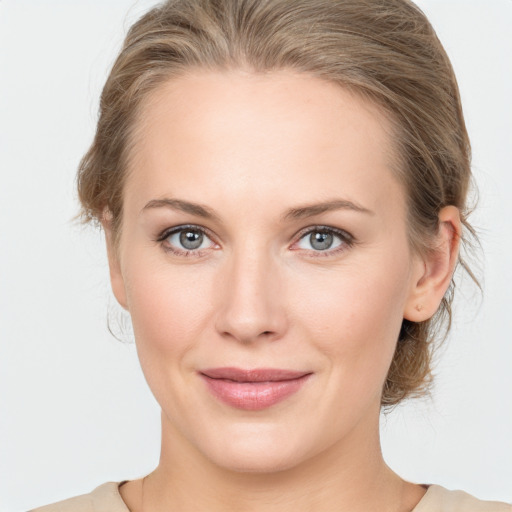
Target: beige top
106, 498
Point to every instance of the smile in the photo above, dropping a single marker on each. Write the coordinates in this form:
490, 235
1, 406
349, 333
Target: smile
253, 390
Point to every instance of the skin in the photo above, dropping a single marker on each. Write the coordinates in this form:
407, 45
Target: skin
250, 148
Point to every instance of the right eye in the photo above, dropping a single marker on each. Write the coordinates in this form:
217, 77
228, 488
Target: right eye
186, 240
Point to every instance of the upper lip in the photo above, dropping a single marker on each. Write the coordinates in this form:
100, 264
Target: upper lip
252, 375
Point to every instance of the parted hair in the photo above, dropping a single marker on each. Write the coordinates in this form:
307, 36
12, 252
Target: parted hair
384, 50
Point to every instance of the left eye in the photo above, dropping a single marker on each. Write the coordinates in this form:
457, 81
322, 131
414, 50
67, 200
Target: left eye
320, 240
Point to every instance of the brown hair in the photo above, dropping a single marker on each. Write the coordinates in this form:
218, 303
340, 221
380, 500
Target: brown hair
384, 50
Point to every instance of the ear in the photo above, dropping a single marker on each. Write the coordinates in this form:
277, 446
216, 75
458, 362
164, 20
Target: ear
433, 271
116, 276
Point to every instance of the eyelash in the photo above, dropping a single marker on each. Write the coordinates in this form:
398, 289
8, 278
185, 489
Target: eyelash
347, 240
178, 229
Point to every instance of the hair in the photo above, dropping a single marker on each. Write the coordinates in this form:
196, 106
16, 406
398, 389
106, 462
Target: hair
383, 50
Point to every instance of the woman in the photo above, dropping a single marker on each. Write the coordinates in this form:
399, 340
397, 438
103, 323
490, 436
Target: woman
283, 191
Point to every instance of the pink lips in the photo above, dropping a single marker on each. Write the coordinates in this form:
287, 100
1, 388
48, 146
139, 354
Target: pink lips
253, 390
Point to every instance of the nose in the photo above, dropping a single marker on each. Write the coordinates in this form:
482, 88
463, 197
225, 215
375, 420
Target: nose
250, 303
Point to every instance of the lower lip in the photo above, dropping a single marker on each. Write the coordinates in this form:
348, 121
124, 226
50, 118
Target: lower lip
253, 396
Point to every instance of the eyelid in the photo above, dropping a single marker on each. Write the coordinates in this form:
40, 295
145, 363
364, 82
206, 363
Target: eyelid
166, 233
182, 227
345, 235
347, 239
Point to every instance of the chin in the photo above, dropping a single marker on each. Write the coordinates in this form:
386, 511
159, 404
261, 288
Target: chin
256, 452
257, 463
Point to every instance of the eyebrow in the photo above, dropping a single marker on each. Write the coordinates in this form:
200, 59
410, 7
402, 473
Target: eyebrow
300, 212
196, 209
311, 210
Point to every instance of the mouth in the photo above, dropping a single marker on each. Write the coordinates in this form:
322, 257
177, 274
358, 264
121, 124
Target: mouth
253, 389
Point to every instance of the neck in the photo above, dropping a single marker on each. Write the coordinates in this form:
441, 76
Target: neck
349, 476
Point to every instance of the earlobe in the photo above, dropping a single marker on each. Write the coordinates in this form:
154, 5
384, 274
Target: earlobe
116, 276
433, 271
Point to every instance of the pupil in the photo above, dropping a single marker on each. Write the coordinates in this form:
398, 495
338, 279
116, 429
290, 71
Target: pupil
191, 239
321, 241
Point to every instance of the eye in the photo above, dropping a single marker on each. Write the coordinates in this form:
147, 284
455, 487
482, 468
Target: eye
324, 239
183, 240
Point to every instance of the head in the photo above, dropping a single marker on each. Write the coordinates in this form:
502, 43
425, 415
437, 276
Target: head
361, 84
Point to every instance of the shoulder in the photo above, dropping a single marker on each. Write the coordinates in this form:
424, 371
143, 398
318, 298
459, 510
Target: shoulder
439, 499
105, 498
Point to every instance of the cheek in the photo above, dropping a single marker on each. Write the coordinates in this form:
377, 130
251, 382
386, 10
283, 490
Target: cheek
354, 317
169, 306
350, 303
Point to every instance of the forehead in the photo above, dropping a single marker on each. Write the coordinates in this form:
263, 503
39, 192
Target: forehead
282, 135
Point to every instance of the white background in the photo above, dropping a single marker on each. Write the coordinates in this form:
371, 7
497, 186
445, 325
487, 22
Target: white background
75, 410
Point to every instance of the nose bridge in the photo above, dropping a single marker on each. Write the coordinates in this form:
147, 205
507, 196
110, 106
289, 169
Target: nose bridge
250, 303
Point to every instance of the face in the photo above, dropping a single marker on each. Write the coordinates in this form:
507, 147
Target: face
263, 228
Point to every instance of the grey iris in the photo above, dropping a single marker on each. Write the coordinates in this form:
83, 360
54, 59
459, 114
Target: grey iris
191, 239
321, 240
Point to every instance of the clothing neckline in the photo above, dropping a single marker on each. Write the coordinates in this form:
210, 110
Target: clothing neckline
431, 489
